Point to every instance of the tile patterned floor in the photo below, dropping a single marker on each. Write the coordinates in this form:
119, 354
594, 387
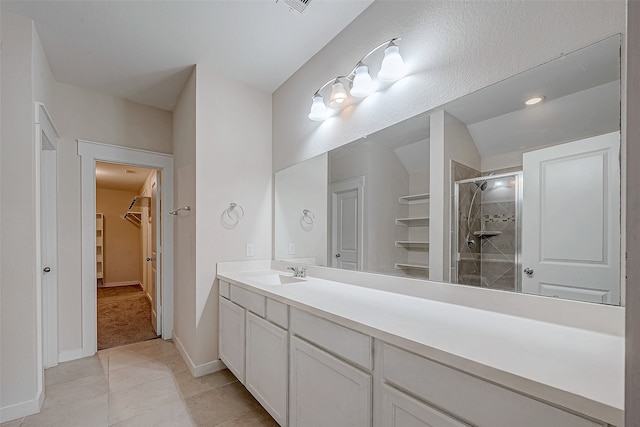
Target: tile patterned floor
143, 384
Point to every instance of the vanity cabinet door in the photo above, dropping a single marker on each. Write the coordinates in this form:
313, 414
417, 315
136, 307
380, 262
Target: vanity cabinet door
267, 362
401, 410
325, 391
231, 336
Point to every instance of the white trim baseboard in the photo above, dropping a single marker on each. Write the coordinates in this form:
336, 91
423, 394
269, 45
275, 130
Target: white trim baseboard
76, 353
22, 409
199, 370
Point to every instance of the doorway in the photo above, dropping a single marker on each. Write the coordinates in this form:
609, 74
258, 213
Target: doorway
90, 153
127, 224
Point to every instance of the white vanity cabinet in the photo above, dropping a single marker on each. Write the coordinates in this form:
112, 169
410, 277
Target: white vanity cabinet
254, 349
267, 365
455, 398
328, 389
231, 337
310, 367
402, 410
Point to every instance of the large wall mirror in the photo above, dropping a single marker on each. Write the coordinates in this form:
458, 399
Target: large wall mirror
484, 191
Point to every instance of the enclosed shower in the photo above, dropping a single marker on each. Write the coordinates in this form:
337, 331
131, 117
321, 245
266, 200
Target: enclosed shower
486, 235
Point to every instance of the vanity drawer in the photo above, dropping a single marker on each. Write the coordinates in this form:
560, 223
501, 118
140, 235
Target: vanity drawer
249, 300
224, 289
277, 313
468, 398
344, 342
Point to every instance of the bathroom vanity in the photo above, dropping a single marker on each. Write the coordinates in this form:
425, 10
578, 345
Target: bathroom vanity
358, 349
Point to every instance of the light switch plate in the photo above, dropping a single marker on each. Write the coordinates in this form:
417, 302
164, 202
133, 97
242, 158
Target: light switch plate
292, 248
251, 249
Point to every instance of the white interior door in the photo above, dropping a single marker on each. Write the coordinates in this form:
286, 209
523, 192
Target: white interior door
347, 224
46, 142
571, 220
155, 290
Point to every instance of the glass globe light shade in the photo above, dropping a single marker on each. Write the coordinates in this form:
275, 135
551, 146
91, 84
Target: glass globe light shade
393, 67
318, 109
362, 83
338, 95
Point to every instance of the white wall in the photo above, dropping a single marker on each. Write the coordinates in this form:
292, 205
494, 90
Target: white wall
450, 140
233, 164
632, 377
228, 161
386, 180
18, 280
26, 78
122, 247
184, 228
451, 48
84, 114
299, 187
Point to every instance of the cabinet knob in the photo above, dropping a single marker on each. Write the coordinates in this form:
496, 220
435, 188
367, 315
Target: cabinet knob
528, 271
46, 269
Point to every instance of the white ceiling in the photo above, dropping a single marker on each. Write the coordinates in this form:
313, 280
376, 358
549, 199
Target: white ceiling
120, 177
144, 51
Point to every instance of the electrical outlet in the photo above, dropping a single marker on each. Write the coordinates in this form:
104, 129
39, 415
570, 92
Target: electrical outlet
251, 249
292, 248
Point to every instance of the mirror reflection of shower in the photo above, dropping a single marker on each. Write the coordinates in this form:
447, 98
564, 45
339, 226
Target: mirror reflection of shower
486, 238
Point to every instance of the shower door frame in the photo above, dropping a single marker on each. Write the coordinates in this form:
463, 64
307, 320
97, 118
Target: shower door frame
518, 243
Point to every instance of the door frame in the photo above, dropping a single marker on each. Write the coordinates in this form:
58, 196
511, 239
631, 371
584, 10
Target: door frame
90, 153
356, 183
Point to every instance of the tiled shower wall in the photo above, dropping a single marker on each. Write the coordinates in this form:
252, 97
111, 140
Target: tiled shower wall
487, 261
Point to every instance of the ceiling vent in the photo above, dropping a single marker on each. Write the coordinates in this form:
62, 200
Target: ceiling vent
298, 5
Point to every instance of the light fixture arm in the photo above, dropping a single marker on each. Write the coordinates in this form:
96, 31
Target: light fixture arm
371, 52
333, 80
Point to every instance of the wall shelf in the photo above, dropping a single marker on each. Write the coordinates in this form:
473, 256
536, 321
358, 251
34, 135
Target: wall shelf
134, 218
414, 199
99, 246
420, 221
411, 266
140, 201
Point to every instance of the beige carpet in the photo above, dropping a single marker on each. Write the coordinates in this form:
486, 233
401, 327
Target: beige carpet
124, 316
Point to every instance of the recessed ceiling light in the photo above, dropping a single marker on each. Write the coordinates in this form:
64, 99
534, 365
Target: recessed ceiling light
534, 100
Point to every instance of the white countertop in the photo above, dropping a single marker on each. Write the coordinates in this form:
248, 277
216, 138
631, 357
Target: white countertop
578, 369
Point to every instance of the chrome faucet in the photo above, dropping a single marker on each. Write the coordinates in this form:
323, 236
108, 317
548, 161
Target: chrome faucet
298, 271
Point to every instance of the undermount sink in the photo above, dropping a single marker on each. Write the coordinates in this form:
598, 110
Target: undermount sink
277, 279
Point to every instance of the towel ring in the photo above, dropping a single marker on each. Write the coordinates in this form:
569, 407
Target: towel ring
232, 215
308, 217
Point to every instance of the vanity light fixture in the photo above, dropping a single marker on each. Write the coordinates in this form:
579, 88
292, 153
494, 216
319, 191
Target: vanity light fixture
534, 100
360, 82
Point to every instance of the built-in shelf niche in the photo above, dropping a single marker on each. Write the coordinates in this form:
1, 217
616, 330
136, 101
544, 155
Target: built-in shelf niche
99, 246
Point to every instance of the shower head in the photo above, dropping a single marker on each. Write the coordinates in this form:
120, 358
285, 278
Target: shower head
482, 185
